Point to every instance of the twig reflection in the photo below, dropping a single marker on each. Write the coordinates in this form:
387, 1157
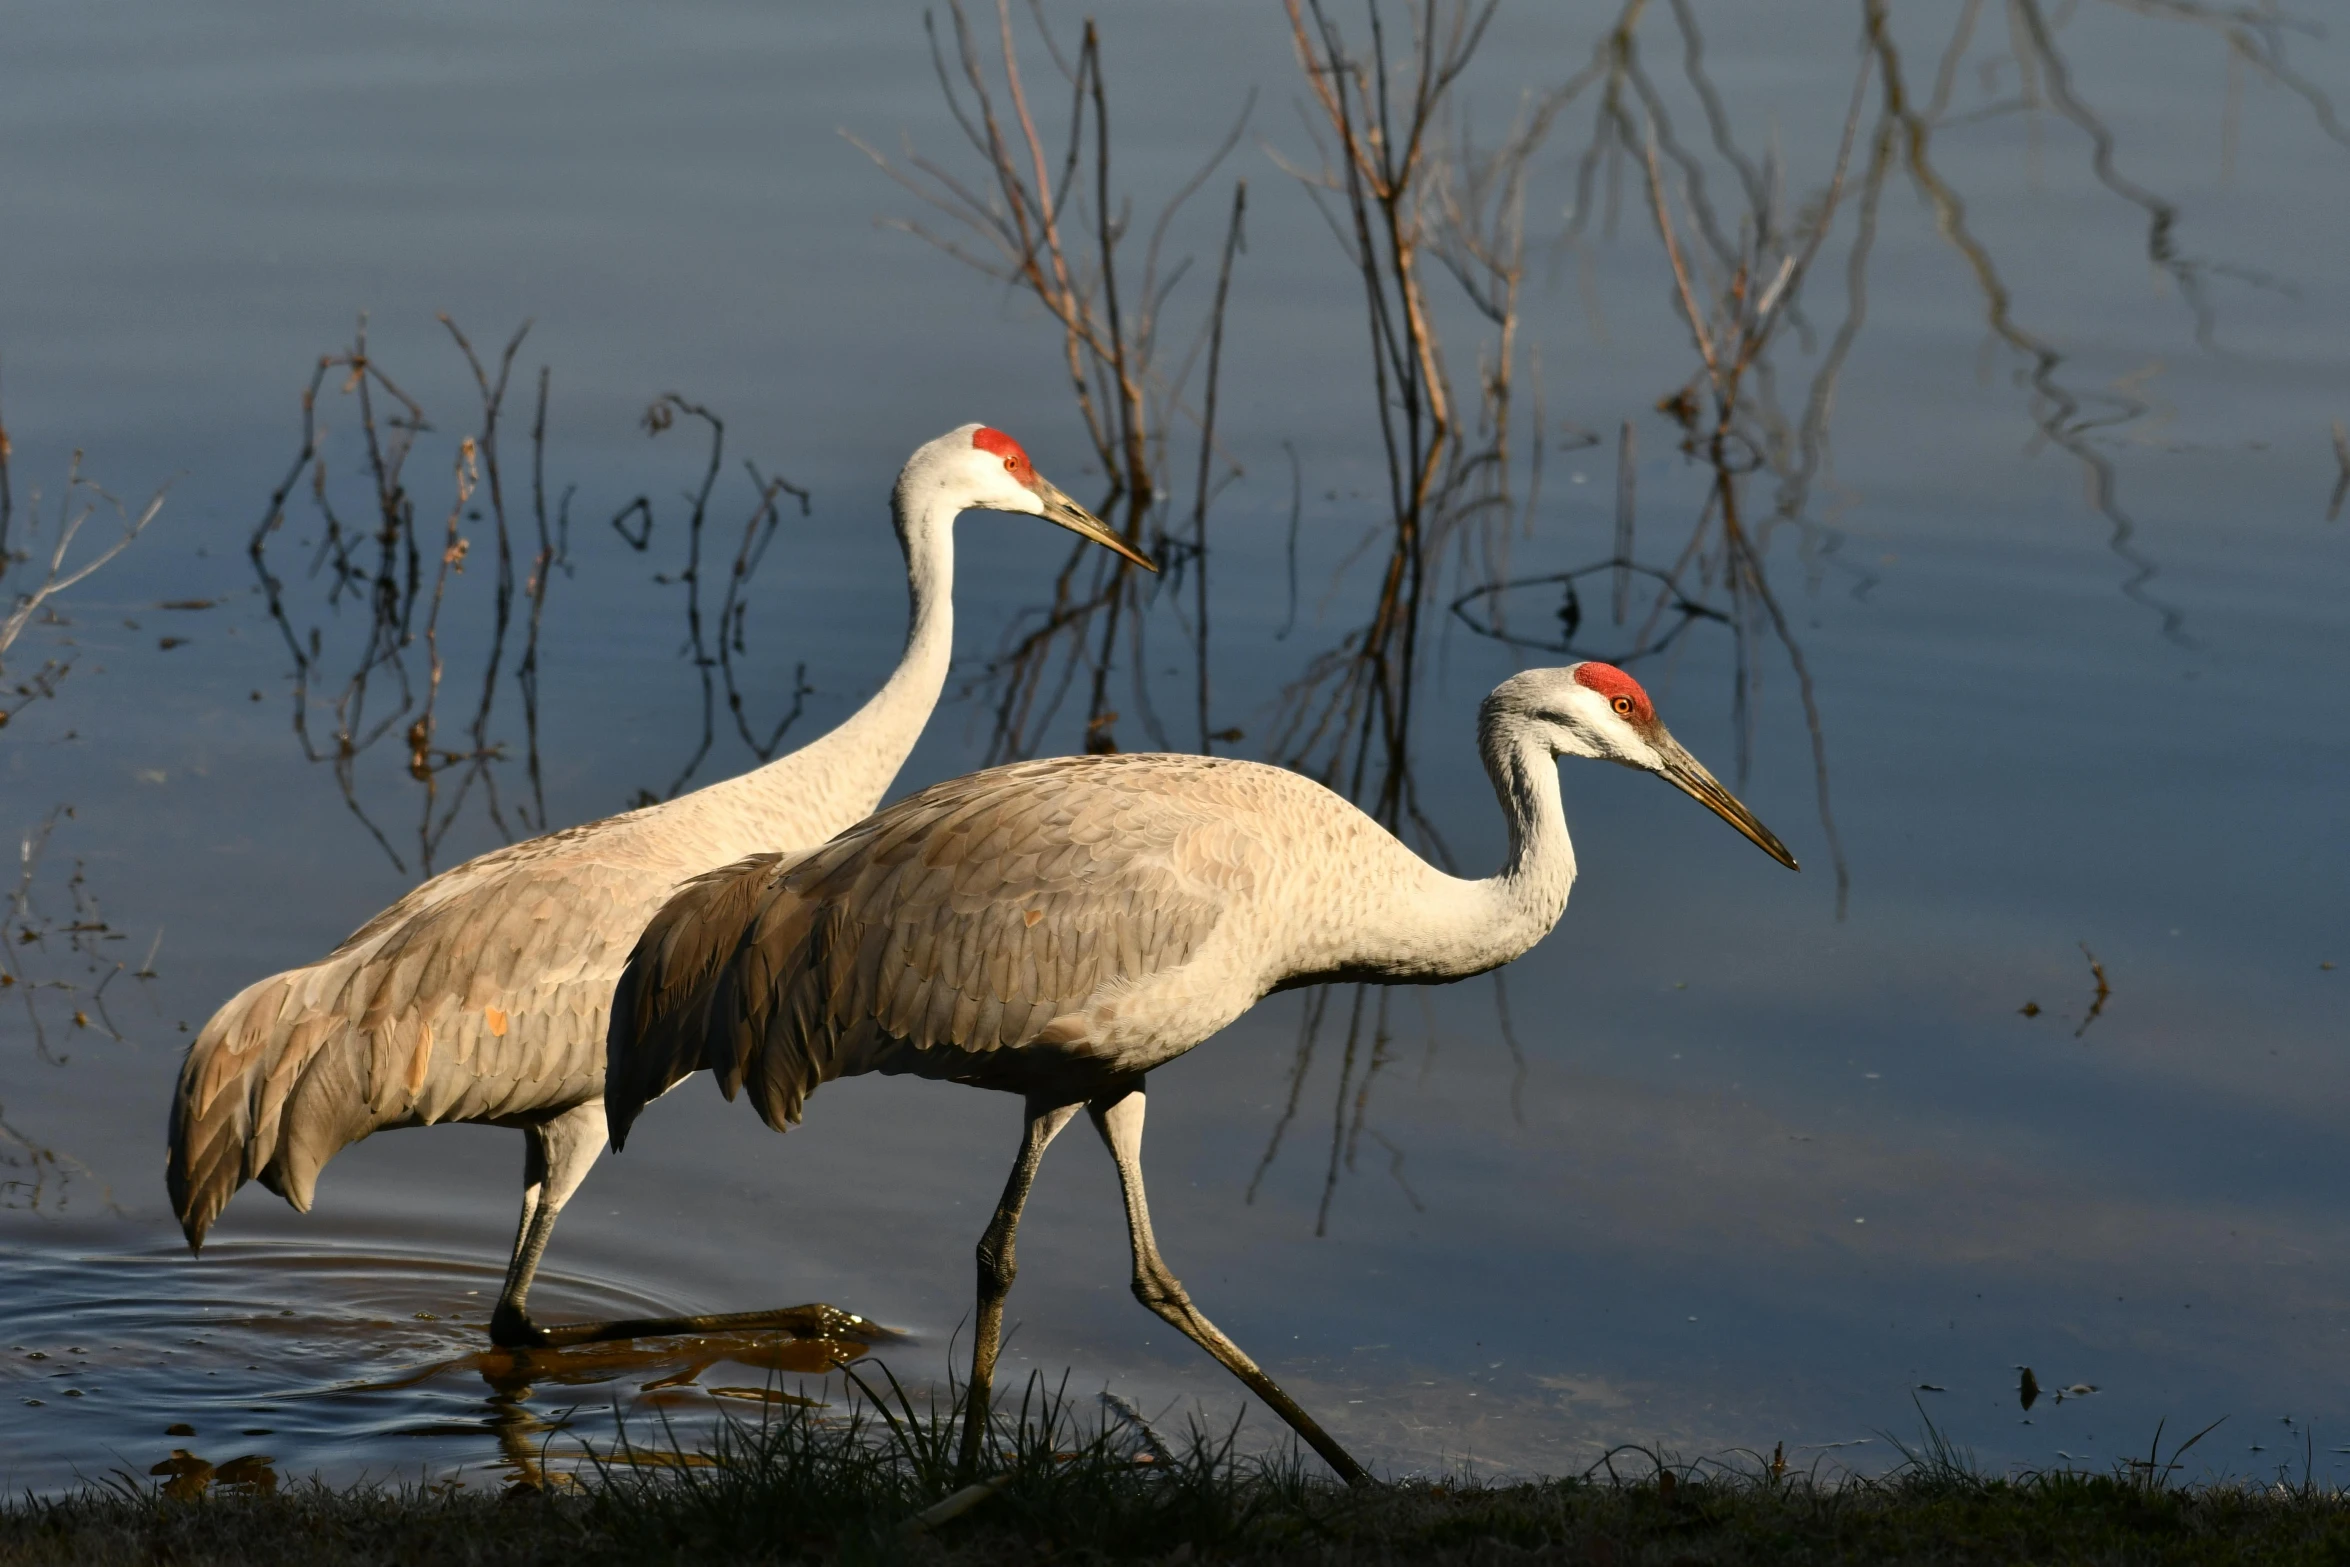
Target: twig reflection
1400, 179
1050, 226
714, 655
380, 562
53, 959
34, 600
381, 678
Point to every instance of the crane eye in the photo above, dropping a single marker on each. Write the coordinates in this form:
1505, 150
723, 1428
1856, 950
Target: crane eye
1011, 466
1623, 706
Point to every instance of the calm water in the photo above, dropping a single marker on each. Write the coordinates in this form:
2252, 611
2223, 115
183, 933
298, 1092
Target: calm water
2047, 445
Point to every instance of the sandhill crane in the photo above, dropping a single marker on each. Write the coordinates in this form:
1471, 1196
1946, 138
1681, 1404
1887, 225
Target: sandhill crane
1057, 929
481, 995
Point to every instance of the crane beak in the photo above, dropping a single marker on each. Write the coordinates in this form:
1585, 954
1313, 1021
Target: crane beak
1687, 774
1059, 508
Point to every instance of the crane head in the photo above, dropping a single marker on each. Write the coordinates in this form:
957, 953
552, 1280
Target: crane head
986, 469
1596, 710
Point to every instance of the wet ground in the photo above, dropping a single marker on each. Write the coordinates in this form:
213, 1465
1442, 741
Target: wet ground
2011, 598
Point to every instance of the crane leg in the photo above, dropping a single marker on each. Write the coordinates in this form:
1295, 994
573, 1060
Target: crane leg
559, 1155
1118, 1117
998, 1267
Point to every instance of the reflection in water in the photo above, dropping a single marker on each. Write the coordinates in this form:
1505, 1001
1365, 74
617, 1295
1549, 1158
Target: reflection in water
36, 574
193, 1372
1400, 179
671, 1369
56, 961
1734, 297
1743, 281
1398, 184
415, 637
379, 559
188, 1476
2075, 420
58, 964
758, 533
2071, 420
1049, 226
1485, 609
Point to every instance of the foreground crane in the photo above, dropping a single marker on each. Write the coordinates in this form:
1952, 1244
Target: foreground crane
481, 995
1057, 929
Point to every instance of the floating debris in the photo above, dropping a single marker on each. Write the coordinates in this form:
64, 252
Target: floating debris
2104, 991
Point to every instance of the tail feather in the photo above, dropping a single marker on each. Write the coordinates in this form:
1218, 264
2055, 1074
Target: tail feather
261, 1097
778, 1034
661, 1033
212, 1109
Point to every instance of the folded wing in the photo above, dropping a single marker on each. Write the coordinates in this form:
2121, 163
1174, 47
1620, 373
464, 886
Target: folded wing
982, 915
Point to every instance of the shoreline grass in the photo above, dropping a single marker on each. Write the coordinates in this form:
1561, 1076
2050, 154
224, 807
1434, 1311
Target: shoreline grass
876, 1484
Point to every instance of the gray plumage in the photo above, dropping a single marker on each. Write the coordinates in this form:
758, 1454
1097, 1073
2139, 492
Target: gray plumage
483, 994
477, 997
959, 934
1060, 928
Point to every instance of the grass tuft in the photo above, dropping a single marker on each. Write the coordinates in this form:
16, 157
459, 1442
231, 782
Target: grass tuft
874, 1481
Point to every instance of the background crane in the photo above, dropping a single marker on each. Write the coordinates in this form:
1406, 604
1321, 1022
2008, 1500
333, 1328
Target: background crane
482, 994
1059, 928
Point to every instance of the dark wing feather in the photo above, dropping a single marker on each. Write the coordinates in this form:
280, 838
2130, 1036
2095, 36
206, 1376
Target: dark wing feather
664, 993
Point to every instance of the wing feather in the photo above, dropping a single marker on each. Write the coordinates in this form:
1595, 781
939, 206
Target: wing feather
974, 917
684, 941
301, 1064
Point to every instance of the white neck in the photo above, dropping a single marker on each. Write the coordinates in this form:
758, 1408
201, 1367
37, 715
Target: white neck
839, 778
1426, 927
1525, 900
